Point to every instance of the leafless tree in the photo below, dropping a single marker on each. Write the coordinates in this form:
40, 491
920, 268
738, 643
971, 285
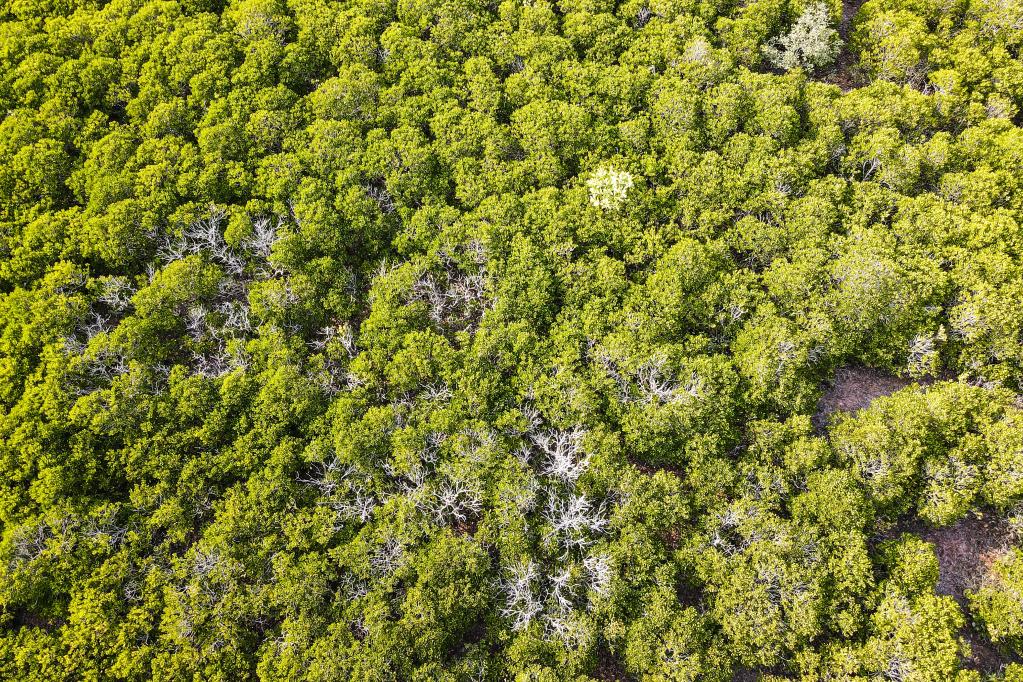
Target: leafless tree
573, 520
456, 299
564, 456
562, 590
388, 558
328, 476
383, 198
236, 316
657, 385
195, 322
359, 505
922, 352
265, 233
106, 528
598, 568
29, 543
430, 452
521, 603
117, 293
455, 501
132, 591
97, 324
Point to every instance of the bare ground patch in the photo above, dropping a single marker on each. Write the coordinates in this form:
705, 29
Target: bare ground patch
849, 10
609, 668
965, 551
854, 388
845, 73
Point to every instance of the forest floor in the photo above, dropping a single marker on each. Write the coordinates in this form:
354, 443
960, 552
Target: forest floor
965, 549
845, 74
852, 389
965, 552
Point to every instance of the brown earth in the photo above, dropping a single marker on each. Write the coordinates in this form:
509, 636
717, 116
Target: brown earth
609, 668
845, 73
965, 552
965, 549
854, 388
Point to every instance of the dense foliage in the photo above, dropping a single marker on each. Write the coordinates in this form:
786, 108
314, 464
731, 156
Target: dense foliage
453, 340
